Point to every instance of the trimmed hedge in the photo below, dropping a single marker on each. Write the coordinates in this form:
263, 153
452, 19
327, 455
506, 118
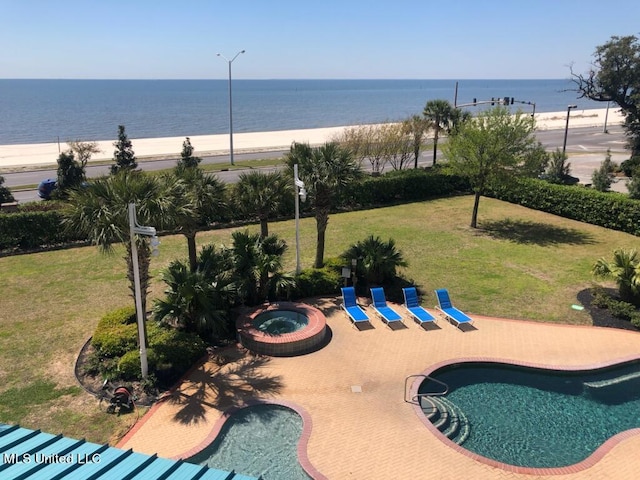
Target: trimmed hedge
610, 210
29, 230
403, 186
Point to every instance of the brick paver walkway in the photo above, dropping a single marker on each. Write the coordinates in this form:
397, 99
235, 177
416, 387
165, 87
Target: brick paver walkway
374, 434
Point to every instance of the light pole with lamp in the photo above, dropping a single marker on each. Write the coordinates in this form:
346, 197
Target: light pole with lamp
134, 229
566, 128
229, 62
301, 194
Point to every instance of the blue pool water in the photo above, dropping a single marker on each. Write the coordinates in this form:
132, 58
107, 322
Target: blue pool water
277, 322
261, 440
541, 418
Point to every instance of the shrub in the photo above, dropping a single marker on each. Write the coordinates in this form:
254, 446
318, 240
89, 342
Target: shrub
170, 352
609, 210
618, 308
313, 282
628, 166
116, 333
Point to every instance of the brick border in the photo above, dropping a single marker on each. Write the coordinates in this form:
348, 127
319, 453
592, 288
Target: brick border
588, 462
303, 442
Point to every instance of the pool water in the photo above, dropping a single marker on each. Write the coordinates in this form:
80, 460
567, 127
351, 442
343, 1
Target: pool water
541, 418
261, 440
278, 322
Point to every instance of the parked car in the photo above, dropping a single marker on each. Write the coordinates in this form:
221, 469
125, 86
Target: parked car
46, 188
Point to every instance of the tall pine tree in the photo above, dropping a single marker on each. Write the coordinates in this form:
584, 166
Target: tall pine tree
123, 155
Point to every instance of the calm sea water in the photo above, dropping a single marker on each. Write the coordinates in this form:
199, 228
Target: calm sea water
34, 111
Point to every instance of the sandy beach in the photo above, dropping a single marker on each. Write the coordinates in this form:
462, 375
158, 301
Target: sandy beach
146, 148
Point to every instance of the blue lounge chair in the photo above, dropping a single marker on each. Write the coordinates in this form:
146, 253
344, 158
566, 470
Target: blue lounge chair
385, 312
419, 314
355, 313
449, 311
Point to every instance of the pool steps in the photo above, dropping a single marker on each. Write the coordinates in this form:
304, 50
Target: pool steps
446, 417
612, 381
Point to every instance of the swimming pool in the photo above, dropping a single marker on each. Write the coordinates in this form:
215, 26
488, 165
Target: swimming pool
260, 440
541, 418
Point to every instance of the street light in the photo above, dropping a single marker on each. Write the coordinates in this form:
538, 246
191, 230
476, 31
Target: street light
566, 128
301, 194
134, 229
229, 62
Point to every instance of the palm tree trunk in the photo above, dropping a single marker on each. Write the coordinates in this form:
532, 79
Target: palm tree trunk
322, 219
264, 227
474, 215
191, 247
435, 144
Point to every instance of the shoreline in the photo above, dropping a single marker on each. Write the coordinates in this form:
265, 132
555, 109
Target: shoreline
40, 154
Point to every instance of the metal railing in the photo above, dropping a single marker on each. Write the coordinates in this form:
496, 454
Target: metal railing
416, 398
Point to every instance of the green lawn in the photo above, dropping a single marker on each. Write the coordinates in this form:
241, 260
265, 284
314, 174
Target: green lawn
520, 263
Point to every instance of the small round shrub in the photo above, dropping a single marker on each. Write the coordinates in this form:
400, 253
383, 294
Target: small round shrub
313, 282
628, 166
116, 333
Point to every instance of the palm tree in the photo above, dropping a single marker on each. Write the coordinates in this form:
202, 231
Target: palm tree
440, 113
261, 194
377, 261
199, 300
325, 171
625, 271
202, 196
100, 211
258, 266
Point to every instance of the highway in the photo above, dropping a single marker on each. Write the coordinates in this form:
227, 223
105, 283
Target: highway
586, 148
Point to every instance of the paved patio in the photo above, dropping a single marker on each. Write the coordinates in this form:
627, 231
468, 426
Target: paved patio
374, 434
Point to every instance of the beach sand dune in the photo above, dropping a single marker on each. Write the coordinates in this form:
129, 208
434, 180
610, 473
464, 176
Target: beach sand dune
47, 153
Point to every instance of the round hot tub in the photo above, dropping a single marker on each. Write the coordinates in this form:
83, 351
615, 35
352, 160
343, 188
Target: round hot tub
282, 329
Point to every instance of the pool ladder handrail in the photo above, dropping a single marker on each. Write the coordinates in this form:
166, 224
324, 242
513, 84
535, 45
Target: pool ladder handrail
416, 398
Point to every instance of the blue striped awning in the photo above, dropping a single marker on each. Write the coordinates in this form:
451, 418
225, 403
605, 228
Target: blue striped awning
31, 454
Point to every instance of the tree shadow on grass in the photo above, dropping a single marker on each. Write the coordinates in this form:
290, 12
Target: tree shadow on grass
230, 379
535, 233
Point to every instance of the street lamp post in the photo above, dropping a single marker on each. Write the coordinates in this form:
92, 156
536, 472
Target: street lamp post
566, 128
301, 194
134, 229
229, 62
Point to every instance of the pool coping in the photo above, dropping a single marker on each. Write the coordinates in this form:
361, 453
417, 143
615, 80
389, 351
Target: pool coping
287, 344
303, 442
588, 462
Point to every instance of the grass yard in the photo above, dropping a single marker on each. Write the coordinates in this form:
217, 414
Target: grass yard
520, 263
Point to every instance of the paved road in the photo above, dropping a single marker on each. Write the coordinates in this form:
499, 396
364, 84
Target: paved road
586, 147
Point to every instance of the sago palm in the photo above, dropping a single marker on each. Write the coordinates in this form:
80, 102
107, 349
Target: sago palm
625, 271
377, 261
198, 300
258, 266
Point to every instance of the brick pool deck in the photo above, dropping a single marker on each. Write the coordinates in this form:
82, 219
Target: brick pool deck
352, 391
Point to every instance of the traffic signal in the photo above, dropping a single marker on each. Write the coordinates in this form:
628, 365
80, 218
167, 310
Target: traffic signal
474, 101
506, 101
492, 104
512, 100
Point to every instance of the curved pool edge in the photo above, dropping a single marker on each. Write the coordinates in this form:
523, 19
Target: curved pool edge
303, 442
300, 342
588, 462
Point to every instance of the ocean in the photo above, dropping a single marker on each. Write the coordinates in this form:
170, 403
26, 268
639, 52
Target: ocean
43, 111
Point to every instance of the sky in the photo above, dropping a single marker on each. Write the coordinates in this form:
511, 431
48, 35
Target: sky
329, 39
